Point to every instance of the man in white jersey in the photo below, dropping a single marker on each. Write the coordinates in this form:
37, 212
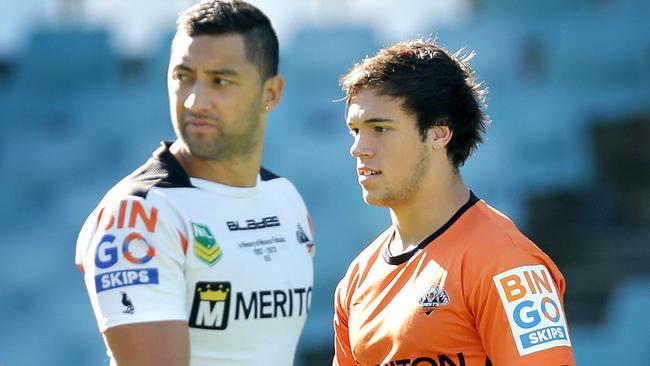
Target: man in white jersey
200, 256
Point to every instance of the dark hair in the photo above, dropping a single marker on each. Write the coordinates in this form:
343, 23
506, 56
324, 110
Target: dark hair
439, 87
221, 17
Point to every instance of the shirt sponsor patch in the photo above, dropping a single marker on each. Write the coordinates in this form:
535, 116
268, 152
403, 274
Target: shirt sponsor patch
135, 248
533, 307
211, 305
127, 277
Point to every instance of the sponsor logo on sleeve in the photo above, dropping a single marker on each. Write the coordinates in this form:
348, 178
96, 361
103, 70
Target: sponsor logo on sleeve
131, 214
127, 277
206, 247
134, 248
533, 307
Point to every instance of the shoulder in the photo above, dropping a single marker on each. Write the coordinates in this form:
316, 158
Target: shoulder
267, 175
280, 187
492, 243
359, 268
129, 206
490, 233
272, 182
495, 247
368, 256
161, 170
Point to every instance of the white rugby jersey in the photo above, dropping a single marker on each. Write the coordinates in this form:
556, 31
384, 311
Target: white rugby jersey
236, 263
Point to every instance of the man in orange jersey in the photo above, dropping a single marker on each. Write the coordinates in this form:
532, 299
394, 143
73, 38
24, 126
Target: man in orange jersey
452, 281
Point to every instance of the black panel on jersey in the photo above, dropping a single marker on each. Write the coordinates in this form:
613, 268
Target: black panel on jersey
266, 174
401, 258
161, 170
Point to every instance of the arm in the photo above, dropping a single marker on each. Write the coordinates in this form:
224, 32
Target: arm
342, 349
132, 344
519, 311
133, 269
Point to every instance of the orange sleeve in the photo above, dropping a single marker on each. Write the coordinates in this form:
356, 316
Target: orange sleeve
519, 311
342, 349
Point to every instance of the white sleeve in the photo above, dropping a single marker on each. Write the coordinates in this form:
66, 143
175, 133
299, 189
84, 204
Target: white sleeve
132, 255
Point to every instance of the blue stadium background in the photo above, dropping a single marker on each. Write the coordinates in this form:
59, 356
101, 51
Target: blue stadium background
567, 157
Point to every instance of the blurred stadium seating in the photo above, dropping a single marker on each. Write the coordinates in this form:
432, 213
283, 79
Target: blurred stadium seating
566, 157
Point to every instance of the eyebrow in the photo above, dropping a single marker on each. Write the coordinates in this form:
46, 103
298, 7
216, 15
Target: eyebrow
215, 72
223, 72
374, 120
378, 120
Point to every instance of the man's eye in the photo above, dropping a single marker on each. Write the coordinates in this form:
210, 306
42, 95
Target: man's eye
219, 81
380, 129
179, 76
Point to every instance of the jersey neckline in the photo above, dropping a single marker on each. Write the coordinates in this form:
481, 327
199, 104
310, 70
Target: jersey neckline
403, 257
168, 162
209, 185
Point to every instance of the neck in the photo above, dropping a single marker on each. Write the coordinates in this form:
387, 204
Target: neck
431, 209
236, 172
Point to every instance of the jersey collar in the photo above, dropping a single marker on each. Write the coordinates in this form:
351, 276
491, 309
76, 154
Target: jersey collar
403, 257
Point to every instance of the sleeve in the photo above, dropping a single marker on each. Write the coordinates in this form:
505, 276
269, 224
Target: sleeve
519, 311
342, 348
132, 254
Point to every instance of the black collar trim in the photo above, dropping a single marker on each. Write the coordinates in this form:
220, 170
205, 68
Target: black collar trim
161, 170
401, 258
165, 171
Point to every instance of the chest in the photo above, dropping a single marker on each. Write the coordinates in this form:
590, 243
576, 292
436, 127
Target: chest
247, 260
411, 311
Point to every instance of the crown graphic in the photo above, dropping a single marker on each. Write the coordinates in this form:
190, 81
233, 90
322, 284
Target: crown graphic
213, 295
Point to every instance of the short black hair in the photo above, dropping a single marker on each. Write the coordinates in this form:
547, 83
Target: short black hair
222, 17
438, 87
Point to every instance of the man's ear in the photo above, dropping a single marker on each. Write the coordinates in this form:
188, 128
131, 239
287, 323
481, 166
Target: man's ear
440, 136
271, 92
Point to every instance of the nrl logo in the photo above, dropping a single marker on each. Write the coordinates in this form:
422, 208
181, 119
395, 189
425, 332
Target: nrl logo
206, 247
433, 298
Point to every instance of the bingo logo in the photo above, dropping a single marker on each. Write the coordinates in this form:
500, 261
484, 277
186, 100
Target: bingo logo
134, 248
533, 307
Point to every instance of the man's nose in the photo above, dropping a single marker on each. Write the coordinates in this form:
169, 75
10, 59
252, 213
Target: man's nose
198, 100
360, 147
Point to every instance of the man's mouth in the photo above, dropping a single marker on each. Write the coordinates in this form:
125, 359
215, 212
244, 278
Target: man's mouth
367, 172
199, 123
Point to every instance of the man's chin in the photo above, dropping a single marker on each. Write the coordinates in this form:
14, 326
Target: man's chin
374, 200
200, 147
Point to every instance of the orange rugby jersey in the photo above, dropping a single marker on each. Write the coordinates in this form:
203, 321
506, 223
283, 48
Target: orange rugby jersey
476, 292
